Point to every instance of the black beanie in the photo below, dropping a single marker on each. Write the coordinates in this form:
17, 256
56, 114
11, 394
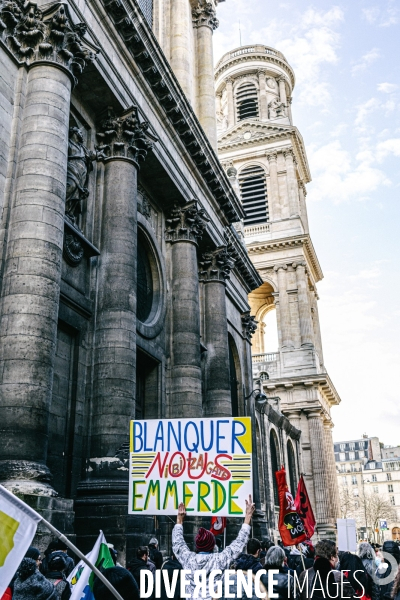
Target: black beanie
57, 561
119, 578
32, 552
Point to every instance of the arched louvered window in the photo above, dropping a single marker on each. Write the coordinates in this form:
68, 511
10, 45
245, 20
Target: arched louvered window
147, 9
247, 102
253, 191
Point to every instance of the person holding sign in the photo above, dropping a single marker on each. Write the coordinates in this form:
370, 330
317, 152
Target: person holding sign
212, 564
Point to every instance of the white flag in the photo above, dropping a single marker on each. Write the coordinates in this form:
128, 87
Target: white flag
18, 523
82, 577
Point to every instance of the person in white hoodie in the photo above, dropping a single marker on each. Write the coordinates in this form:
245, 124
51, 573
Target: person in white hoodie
207, 558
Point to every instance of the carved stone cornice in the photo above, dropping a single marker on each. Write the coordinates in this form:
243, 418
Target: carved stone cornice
125, 136
139, 41
216, 265
186, 223
249, 325
204, 15
243, 264
32, 34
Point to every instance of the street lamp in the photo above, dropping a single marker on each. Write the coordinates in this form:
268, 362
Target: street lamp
365, 504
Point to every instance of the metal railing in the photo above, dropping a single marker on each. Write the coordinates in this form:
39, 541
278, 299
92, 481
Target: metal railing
268, 357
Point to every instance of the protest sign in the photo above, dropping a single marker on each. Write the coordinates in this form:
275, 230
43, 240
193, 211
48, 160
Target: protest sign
204, 463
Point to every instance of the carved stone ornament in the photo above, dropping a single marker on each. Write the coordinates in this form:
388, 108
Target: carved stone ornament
125, 136
204, 15
73, 249
32, 35
80, 161
186, 223
143, 204
249, 325
216, 265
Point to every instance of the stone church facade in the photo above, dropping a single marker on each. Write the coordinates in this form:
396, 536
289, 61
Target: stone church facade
265, 158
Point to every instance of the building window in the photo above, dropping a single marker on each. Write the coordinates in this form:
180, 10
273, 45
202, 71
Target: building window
390, 487
352, 455
372, 465
144, 284
343, 468
342, 447
354, 479
342, 456
146, 7
275, 462
355, 492
375, 489
392, 500
353, 467
344, 480
247, 102
374, 478
389, 476
361, 454
352, 446
253, 192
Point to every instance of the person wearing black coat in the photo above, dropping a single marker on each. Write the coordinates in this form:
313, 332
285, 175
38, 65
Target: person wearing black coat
138, 564
171, 565
155, 554
121, 579
283, 581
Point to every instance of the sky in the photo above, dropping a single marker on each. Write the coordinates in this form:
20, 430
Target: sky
346, 104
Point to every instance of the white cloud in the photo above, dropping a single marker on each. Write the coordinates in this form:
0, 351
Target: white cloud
387, 88
390, 146
366, 60
382, 16
338, 177
359, 354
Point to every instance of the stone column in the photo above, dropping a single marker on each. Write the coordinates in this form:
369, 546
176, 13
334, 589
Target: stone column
218, 103
284, 314
274, 200
32, 270
333, 485
231, 104
204, 23
185, 227
306, 328
282, 90
215, 267
115, 349
316, 326
303, 207
292, 184
289, 109
263, 96
320, 467
181, 53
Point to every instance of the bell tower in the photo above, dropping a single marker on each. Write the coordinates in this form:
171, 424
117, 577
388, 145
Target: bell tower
264, 156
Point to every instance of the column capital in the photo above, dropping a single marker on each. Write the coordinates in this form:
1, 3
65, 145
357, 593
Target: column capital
48, 35
229, 80
272, 156
314, 413
186, 223
303, 187
216, 265
204, 15
277, 267
261, 72
288, 152
124, 137
249, 325
282, 79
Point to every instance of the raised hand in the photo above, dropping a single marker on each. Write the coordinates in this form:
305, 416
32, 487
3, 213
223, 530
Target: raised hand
250, 508
181, 514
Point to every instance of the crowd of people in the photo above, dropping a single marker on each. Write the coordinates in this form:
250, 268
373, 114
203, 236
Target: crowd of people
303, 572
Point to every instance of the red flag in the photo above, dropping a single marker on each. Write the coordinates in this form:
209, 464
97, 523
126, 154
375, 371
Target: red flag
218, 525
304, 508
290, 525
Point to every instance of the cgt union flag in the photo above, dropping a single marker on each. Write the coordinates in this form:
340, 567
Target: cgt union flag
304, 508
290, 525
82, 577
218, 524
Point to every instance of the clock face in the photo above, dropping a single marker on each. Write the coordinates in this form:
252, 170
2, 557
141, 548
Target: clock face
271, 83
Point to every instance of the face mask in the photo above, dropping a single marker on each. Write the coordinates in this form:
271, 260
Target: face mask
377, 562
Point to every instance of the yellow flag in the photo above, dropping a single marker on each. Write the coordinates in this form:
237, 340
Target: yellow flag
18, 523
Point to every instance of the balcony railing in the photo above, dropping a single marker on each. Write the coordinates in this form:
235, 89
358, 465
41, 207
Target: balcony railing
262, 358
256, 230
256, 49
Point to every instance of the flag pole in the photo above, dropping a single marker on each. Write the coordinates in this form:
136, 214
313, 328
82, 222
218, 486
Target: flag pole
302, 558
78, 553
225, 537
